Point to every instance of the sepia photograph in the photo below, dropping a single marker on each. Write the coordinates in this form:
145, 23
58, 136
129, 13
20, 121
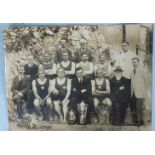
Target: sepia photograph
79, 77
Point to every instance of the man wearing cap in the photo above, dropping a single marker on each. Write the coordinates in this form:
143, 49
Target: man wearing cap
20, 86
139, 83
120, 95
42, 91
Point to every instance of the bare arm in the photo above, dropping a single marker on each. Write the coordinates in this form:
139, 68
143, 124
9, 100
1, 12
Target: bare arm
91, 69
72, 71
35, 90
68, 90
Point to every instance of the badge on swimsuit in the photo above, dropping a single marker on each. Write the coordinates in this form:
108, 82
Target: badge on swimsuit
64, 87
42, 87
121, 88
99, 87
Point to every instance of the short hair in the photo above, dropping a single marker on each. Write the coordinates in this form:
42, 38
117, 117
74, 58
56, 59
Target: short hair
78, 68
84, 54
20, 65
65, 52
63, 39
125, 42
135, 58
60, 68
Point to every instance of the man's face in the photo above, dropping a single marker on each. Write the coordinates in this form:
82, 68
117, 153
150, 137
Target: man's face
46, 57
63, 43
65, 56
79, 73
118, 74
102, 59
135, 63
41, 75
21, 70
125, 47
83, 45
84, 58
61, 73
99, 74
30, 59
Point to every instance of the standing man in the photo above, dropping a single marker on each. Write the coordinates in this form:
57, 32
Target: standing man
120, 96
124, 59
87, 67
49, 66
84, 50
31, 69
67, 65
63, 48
19, 88
138, 91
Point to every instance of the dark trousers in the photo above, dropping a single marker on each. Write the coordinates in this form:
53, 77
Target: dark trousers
19, 102
137, 109
118, 112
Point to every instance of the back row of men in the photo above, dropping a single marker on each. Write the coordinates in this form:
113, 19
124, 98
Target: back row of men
58, 89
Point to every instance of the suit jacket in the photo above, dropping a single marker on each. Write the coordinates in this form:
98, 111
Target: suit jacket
77, 87
20, 85
120, 90
32, 71
138, 83
88, 52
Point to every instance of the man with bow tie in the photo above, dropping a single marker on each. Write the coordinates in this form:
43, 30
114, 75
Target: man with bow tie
19, 88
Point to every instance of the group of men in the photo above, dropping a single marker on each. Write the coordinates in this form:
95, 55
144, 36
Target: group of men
71, 86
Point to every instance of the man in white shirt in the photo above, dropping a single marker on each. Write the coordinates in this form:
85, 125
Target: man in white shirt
124, 59
86, 66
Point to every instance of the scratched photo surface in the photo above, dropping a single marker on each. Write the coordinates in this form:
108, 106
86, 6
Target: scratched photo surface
79, 77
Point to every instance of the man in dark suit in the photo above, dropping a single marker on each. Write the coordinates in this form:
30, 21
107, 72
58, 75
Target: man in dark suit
120, 96
81, 92
19, 88
31, 69
59, 51
84, 50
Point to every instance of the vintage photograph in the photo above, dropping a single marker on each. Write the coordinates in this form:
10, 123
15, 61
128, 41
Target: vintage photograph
70, 77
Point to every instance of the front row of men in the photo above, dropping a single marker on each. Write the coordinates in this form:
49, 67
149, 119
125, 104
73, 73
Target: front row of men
79, 99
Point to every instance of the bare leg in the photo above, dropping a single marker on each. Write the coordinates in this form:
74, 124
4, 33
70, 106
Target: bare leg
65, 109
57, 106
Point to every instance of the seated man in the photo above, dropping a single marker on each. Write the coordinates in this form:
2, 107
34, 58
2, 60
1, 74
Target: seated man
42, 91
81, 93
120, 96
86, 66
61, 88
19, 88
67, 65
101, 91
49, 66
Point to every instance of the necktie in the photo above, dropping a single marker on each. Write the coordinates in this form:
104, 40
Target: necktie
134, 71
